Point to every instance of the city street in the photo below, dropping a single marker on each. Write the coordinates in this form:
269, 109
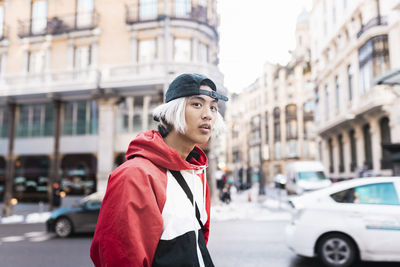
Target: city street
232, 243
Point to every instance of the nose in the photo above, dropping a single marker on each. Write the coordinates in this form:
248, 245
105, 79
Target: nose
206, 113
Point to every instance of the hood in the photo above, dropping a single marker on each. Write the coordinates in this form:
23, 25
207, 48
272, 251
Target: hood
313, 185
151, 145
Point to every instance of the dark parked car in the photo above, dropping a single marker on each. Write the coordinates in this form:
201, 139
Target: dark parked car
81, 217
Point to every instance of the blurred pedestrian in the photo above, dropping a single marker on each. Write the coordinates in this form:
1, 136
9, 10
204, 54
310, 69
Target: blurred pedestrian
56, 197
156, 210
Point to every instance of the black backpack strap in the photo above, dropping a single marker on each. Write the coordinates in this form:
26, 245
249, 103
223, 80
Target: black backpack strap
181, 181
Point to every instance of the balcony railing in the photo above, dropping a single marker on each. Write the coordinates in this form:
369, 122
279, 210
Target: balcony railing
58, 25
47, 82
378, 21
136, 14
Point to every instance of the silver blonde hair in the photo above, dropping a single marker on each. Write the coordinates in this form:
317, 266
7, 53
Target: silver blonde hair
172, 115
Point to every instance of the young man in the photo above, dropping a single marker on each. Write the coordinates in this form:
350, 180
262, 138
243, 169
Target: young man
156, 210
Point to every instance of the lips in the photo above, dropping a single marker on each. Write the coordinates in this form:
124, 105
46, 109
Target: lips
205, 126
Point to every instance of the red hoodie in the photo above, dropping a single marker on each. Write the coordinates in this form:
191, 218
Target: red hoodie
146, 219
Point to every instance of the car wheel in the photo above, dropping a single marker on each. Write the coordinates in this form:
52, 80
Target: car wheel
63, 227
336, 250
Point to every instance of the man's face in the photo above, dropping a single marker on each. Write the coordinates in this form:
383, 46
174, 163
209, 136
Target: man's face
200, 114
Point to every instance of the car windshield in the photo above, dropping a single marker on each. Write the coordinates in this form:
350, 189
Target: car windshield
312, 176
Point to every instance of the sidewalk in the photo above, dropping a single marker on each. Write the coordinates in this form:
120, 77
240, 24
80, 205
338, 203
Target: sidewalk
244, 205
35, 212
250, 206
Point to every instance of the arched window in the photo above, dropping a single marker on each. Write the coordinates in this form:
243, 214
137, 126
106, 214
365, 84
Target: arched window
291, 121
277, 124
277, 133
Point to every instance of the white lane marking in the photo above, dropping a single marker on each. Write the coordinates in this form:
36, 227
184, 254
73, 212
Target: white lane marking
42, 238
12, 238
34, 234
30, 236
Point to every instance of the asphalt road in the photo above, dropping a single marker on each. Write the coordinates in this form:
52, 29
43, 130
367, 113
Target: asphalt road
232, 243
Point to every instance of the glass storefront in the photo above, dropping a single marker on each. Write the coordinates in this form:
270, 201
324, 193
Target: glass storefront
31, 177
79, 174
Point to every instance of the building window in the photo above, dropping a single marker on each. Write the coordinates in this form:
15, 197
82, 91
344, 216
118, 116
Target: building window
266, 128
148, 9
80, 118
203, 52
182, 50
182, 8
373, 61
255, 155
82, 57
337, 90
147, 51
138, 114
3, 122
350, 75
327, 102
84, 12
317, 105
291, 122
308, 108
277, 150
308, 128
277, 125
255, 135
1, 20
36, 62
35, 120
292, 148
123, 117
39, 16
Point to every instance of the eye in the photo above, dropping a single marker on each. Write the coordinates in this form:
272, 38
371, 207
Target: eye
214, 108
196, 104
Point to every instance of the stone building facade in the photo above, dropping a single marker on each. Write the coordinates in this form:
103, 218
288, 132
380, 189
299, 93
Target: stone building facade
271, 122
353, 44
79, 79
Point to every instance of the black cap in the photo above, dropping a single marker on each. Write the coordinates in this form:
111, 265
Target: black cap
188, 84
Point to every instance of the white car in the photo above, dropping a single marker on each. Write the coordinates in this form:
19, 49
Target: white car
358, 219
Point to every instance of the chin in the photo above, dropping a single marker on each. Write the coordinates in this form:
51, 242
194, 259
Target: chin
203, 140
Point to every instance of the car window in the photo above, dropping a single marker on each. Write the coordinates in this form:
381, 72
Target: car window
312, 176
93, 204
381, 193
345, 196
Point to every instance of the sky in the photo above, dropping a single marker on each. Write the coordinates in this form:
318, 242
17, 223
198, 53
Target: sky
253, 32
